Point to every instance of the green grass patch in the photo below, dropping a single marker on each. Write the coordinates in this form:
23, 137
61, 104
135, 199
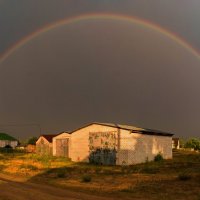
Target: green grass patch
158, 158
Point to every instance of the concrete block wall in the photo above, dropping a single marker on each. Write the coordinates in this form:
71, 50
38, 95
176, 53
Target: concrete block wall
138, 148
80, 141
132, 148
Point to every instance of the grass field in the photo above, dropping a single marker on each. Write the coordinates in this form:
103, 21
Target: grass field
178, 178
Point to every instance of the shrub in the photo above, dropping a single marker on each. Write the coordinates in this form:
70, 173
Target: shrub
184, 176
44, 159
86, 178
158, 158
193, 143
61, 174
6, 149
32, 140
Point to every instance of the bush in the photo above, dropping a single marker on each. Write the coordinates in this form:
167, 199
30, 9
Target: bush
61, 174
10, 150
6, 150
184, 176
158, 158
86, 178
193, 143
44, 159
32, 140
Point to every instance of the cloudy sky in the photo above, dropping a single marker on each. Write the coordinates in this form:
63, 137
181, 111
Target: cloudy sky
99, 69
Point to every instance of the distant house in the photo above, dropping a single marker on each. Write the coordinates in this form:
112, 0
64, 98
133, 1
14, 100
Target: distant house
44, 145
61, 144
113, 144
7, 141
175, 143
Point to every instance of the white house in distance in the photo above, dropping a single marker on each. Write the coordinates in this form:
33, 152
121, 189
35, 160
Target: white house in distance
7, 140
106, 143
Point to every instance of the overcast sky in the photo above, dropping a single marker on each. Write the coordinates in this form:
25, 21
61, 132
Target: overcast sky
99, 70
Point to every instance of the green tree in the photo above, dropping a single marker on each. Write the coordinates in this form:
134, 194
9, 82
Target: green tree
182, 143
193, 143
32, 140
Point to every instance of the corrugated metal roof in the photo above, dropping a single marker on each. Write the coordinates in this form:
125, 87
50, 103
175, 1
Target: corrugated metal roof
122, 126
131, 128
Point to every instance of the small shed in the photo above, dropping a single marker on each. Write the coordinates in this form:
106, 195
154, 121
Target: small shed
61, 144
7, 140
44, 145
115, 144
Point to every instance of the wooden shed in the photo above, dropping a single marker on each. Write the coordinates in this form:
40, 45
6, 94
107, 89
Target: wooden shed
106, 143
61, 144
44, 145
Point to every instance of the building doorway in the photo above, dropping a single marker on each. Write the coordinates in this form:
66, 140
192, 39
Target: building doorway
62, 147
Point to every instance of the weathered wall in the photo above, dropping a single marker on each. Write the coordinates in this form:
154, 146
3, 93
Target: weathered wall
80, 142
137, 148
61, 136
3, 143
131, 148
43, 147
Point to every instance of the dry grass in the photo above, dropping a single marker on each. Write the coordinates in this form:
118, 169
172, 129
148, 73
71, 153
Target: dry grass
151, 180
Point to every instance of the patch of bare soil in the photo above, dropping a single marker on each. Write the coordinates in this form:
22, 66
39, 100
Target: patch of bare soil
18, 189
34, 177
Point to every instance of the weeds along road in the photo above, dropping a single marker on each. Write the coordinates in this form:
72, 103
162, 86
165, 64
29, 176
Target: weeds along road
16, 189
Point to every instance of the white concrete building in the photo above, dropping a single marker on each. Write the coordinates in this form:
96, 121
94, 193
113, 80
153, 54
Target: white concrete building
7, 140
105, 143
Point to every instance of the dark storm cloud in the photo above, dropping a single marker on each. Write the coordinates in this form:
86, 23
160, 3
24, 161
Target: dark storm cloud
103, 71
20, 18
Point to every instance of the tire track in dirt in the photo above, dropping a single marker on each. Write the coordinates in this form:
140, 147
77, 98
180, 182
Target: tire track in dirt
12, 189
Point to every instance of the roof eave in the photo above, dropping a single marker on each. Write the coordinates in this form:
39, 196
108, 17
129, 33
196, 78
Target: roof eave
153, 133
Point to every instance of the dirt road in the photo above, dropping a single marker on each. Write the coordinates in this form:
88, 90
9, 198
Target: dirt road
13, 188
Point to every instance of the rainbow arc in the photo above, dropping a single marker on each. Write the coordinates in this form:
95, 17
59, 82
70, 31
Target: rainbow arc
107, 16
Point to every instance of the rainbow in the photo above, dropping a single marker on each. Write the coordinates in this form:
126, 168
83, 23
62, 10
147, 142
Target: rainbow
95, 16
